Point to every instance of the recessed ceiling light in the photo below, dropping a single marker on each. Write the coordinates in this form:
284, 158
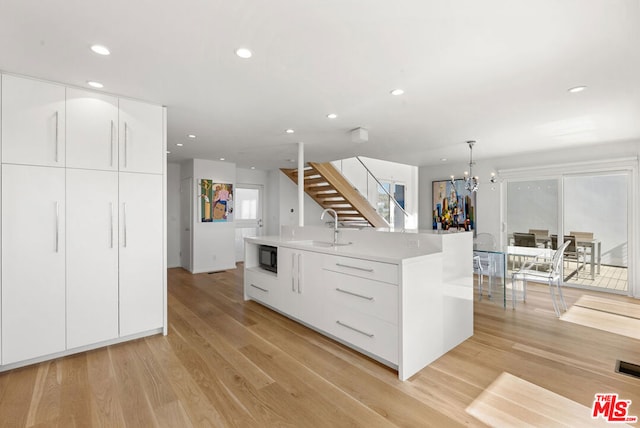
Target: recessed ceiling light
397, 92
332, 115
95, 84
221, 158
191, 136
244, 53
100, 50
289, 131
179, 144
443, 159
577, 89
168, 152
253, 167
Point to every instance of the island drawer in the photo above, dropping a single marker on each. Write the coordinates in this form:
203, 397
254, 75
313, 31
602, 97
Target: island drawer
369, 297
368, 333
260, 285
377, 271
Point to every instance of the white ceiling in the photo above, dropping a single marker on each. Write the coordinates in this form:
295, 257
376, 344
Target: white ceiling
496, 71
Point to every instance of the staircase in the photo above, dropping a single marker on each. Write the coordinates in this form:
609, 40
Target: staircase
328, 187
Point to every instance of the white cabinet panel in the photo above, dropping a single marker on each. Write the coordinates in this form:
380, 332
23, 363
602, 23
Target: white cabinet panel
299, 295
374, 298
33, 262
377, 271
92, 257
92, 130
368, 333
141, 253
33, 122
141, 139
260, 285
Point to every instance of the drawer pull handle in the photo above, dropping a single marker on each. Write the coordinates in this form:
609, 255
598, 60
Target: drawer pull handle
260, 288
354, 294
354, 267
354, 329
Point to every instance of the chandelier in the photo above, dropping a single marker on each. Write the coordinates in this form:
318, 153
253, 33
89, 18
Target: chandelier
471, 182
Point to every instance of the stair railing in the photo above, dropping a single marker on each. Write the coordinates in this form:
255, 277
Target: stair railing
391, 197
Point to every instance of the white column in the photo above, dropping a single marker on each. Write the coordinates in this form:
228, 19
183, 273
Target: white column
300, 184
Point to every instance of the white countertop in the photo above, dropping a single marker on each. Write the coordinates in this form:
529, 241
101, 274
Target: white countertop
394, 255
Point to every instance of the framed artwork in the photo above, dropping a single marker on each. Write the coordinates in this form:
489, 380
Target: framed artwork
453, 206
216, 201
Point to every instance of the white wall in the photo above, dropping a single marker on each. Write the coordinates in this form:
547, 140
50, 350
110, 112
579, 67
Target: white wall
213, 243
272, 202
288, 209
173, 215
384, 171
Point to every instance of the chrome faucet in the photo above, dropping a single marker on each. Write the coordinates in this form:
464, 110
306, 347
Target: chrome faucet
335, 223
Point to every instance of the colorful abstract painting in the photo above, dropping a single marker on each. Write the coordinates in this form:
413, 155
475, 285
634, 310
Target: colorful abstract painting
216, 201
453, 206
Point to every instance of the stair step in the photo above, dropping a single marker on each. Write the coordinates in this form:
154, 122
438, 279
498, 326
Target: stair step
352, 218
322, 191
330, 199
312, 181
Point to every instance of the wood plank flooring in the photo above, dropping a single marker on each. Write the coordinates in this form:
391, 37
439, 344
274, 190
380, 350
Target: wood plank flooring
231, 363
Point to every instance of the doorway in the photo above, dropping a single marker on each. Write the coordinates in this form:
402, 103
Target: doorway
248, 212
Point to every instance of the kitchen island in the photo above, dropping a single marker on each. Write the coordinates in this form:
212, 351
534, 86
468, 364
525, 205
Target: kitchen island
403, 299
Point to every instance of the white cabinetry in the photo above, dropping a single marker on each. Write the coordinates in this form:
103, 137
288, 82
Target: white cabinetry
83, 229
363, 311
261, 285
33, 262
141, 253
92, 256
141, 148
33, 122
92, 130
299, 273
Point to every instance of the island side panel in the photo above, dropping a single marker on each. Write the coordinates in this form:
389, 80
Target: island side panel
457, 251
421, 314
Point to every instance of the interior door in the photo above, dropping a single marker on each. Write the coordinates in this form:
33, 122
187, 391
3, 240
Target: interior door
186, 219
248, 215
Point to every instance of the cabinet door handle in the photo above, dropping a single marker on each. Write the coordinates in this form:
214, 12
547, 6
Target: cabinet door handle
355, 267
259, 288
293, 258
126, 140
57, 226
111, 221
111, 146
124, 221
57, 132
299, 276
354, 294
370, 335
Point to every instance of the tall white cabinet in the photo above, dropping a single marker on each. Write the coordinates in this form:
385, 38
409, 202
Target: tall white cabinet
33, 262
82, 220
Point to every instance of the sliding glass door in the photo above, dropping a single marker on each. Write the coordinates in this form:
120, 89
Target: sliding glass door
591, 210
596, 214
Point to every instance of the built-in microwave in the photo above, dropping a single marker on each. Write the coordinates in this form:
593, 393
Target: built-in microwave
268, 258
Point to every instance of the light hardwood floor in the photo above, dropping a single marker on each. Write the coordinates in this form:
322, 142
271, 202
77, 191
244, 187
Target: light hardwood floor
227, 362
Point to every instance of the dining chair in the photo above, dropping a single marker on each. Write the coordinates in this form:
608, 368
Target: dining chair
572, 253
482, 260
524, 239
542, 236
551, 276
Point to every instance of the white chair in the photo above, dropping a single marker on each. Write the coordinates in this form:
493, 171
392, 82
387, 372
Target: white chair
482, 261
551, 276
